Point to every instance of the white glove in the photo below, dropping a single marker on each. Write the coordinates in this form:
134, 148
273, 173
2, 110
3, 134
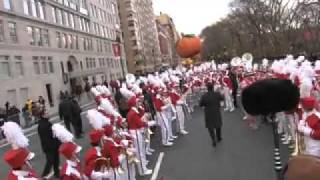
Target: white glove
125, 143
304, 130
97, 175
302, 123
152, 123
174, 117
163, 108
180, 102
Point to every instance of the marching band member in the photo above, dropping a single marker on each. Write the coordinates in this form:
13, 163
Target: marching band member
177, 103
309, 126
21, 169
15, 136
92, 169
71, 169
136, 127
162, 120
19, 156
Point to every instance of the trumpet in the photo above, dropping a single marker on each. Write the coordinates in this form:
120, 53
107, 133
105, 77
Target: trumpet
132, 157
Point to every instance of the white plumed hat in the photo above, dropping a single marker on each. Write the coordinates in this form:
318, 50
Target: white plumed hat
107, 106
14, 135
126, 93
95, 92
62, 133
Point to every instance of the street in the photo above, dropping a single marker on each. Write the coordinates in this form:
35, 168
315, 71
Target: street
243, 154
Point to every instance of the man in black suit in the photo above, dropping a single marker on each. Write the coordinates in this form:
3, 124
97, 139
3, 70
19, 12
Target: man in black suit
211, 103
50, 146
66, 112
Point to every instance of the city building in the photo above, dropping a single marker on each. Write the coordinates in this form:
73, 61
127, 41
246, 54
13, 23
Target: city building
140, 36
166, 23
49, 46
165, 44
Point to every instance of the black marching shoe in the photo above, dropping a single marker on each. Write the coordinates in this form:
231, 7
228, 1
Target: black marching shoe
214, 144
219, 140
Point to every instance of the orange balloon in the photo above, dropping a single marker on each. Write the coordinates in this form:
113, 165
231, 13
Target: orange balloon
188, 46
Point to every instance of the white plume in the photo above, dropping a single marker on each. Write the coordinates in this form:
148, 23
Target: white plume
62, 133
107, 106
95, 92
94, 121
126, 93
14, 135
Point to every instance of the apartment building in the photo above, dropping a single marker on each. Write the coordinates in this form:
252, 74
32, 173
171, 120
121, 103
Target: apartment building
172, 36
48, 46
140, 35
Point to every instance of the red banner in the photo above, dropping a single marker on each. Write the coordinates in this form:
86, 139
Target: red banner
116, 50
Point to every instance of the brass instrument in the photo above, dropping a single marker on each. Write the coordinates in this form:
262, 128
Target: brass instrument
132, 157
102, 164
299, 144
147, 131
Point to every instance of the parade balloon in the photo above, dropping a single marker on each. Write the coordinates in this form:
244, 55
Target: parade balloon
270, 96
188, 46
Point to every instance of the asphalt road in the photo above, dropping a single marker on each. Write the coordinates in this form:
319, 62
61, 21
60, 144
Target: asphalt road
243, 154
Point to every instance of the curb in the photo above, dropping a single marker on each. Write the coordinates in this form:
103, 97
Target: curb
53, 119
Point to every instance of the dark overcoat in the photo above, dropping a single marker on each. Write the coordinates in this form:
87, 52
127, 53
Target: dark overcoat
212, 111
48, 142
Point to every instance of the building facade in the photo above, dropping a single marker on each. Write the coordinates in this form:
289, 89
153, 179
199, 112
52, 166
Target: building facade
165, 44
48, 46
140, 35
166, 22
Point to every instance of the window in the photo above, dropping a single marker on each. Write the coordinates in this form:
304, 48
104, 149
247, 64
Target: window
45, 37
31, 35
58, 39
71, 19
44, 67
19, 66
80, 23
51, 68
65, 18
36, 67
7, 4
53, 14
26, 7
75, 38
37, 36
70, 41
58, 16
13, 32
40, 7
64, 41
33, 8
1, 31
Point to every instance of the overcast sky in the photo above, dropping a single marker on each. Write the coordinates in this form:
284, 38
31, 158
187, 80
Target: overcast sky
191, 16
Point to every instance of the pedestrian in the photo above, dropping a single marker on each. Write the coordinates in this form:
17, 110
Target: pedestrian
50, 146
213, 119
76, 112
65, 113
42, 103
26, 115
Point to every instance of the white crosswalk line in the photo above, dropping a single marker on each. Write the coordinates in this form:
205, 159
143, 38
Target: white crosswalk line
157, 167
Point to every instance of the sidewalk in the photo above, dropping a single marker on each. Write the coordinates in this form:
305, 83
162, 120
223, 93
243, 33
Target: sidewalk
54, 119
